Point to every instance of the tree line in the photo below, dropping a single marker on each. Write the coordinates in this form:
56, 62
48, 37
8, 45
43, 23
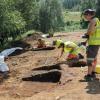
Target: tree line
18, 16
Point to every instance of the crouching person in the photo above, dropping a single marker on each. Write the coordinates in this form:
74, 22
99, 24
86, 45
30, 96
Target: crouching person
72, 51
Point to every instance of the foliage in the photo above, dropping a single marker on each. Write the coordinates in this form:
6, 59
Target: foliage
51, 18
88, 4
79, 5
70, 4
83, 23
30, 12
11, 21
98, 9
47, 16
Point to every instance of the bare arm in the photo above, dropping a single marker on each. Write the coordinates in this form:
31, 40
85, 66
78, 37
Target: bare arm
62, 51
59, 56
91, 27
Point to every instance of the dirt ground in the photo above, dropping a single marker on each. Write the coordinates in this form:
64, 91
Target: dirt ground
22, 65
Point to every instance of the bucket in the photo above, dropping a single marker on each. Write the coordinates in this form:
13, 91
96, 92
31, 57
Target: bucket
97, 69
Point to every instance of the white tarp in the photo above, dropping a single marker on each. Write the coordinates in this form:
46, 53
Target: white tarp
3, 65
45, 35
6, 53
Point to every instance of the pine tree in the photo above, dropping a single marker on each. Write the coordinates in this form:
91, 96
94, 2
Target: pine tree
11, 21
88, 4
70, 4
50, 16
98, 9
30, 12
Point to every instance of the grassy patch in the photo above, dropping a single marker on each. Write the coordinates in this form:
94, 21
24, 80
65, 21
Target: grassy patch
72, 16
72, 21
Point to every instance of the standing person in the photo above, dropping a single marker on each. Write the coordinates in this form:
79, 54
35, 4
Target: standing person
93, 33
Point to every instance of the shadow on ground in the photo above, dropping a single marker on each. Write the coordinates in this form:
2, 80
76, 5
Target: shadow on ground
44, 76
77, 64
49, 67
21, 44
93, 87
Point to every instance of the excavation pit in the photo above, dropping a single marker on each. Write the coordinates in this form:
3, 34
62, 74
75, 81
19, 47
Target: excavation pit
44, 76
49, 67
45, 48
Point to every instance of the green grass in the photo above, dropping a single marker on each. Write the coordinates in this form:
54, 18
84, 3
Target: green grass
72, 16
26, 33
72, 21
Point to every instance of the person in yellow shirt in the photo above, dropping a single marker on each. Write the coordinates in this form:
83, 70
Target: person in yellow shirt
70, 48
93, 40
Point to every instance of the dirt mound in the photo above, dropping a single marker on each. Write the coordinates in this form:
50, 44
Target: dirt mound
32, 37
25, 42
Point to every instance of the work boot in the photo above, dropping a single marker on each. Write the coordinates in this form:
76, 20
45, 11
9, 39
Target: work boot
88, 77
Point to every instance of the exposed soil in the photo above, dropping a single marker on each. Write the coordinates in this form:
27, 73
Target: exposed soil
36, 75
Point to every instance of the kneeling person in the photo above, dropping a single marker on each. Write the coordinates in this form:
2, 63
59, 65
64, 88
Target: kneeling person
73, 51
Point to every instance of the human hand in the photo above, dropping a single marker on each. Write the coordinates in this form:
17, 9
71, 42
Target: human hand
85, 36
